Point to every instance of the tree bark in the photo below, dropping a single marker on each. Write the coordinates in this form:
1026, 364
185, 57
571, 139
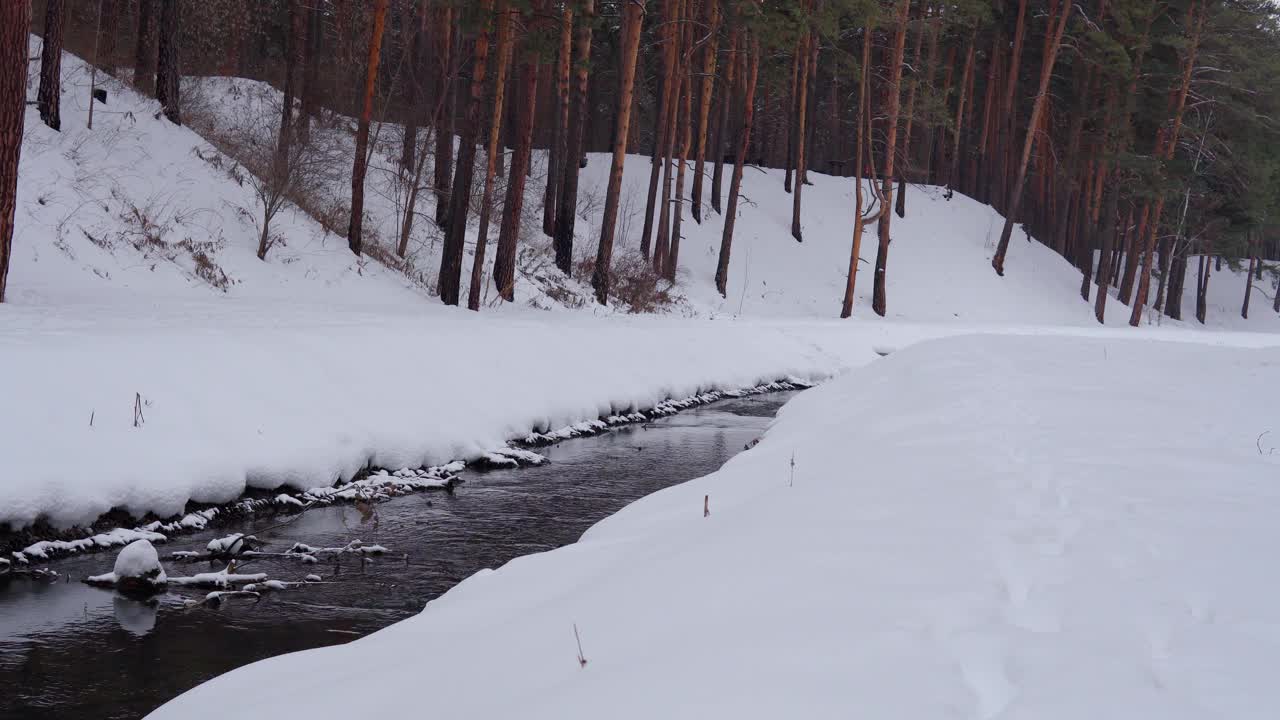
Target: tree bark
953, 171
49, 96
450, 279
802, 117
292, 56
735, 185
855, 254
722, 125
144, 53
169, 68
632, 22
668, 268
416, 72
1058, 24
355, 239
15, 24
556, 153
494, 151
878, 297
567, 206
913, 86
504, 265
670, 87
443, 165
1248, 287
711, 13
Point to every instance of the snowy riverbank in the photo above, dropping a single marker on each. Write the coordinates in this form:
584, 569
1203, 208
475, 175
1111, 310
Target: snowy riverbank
981, 526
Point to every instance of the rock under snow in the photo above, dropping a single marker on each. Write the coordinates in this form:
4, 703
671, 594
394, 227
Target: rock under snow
137, 569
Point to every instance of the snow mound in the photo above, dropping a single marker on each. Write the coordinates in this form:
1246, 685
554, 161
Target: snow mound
137, 567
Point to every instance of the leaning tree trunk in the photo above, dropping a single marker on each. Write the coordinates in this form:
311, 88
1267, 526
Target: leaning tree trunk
15, 23
1014, 202
494, 150
567, 207
632, 20
144, 52
169, 69
449, 282
504, 265
878, 294
355, 239
49, 96
735, 185
711, 9
850, 286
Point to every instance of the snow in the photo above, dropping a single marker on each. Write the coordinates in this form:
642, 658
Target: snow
982, 526
221, 578
308, 368
138, 562
45, 549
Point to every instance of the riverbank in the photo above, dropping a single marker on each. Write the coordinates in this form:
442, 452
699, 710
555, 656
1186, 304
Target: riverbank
41, 542
1033, 526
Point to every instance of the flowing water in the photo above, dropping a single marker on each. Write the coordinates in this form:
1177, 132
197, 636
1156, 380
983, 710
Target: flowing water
69, 651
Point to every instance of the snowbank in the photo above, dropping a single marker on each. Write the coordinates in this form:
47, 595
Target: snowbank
984, 526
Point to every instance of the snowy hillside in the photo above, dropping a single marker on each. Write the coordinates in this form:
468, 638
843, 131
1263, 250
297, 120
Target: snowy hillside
970, 533
138, 210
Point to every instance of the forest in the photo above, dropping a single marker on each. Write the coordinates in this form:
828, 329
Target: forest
1135, 138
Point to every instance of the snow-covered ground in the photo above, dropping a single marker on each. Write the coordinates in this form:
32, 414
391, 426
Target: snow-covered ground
978, 527
135, 297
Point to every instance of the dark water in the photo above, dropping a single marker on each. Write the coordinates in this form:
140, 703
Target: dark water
69, 651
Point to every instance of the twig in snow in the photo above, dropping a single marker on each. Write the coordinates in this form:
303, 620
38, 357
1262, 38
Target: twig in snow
793, 469
582, 660
706, 506
138, 418
1258, 442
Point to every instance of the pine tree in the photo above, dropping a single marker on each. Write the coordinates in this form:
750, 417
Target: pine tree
15, 23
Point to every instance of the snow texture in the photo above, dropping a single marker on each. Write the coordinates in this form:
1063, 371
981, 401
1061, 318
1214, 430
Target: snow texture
979, 527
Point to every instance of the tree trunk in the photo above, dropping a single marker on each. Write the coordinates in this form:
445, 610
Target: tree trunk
310, 73
1165, 150
416, 72
1248, 287
15, 24
1052, 45
567, 206
443, 165
504, 265
954, 166
107, 36
711, 12
670, 88
144, 53
49, 96
802, 118
892, 88
1108, 230
793, 112
668, 268
292, 55
914, 85
744, 143
1008, 128
502, 57
449, 282
556, 153
722, 125
632, 21
850, 286
169, 68
355, 238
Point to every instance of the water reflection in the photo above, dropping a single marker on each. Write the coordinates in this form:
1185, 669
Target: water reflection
69, 651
